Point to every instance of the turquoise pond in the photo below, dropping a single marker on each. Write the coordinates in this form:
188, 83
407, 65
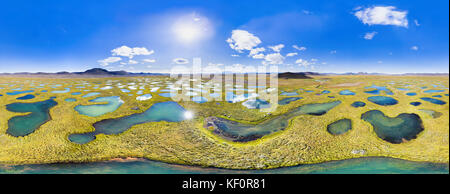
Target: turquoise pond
434, 101
411, 93
167, 95
256, 104
369, 165
91, 94
433, 91
415, 103
346, 92
339, 127
76, 93
325, 92
70, 100
26, 97
24, 125
286, 101
95, 110
61, 91
163, 111
19, 92
358, 104
383, 100
242, 132
289, 93
395, 130
437, 96
378, 90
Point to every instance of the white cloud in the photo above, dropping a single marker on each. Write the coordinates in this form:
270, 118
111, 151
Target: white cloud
149, 66
256, 51
416, 22
277, 48
273, 59
258, 56
314, 60
132, 62
180, 61
126, 51
299, 48
107, 61
415, 48
383, 15
369, 35
302, 62
235, 55
242, 40
333, 52
291, 54
149, 60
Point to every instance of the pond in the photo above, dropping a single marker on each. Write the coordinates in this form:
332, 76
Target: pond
70, 100
411, 93
91, 94
378, 89
289, 93
39, 113
383, 100
415, 103
19, 92
256, 104
61, 91
395, 130
434, 101
339, 127
164, 111
95, 110
358, 104
286, 101
26, 97
368, 165
346, 92
243, 132
433, 91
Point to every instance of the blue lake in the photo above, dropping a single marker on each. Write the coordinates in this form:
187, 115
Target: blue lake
24, 125
369, 165
380, 88
395, 130
415, 103
285, 101
433, 91
91, 94
382, 100
26, 97
164, 111
346, 92
411, 93
358, 104
434, 101
19, 92
70, 100
256, 104
95, 110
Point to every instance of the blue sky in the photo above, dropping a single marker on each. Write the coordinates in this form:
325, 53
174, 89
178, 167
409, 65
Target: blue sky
153, 36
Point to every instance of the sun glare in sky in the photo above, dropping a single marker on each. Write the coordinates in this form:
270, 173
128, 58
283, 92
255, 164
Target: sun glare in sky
189, 29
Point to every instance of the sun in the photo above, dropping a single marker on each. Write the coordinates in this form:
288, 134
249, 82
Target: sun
191, 28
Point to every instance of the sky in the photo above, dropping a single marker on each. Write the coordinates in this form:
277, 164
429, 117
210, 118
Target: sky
402, 36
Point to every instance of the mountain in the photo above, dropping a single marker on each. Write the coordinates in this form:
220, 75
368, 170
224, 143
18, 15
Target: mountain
100, 71
298, 75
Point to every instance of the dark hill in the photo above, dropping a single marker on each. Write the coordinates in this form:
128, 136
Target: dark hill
100, 71
291, 75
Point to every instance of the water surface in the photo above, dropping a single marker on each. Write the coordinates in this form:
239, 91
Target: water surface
95, 110
339, 127
383, 100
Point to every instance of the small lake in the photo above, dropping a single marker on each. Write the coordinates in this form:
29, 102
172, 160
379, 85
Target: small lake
289, 94
383, 100
411, 93
378, 89
415, 103
95, 110
70, 100
24, 125
19, 92
339, 127
358, 104
91, 94
394, 130
26, 97
243, 132
256, 104
346, 92
286, 101
164, 111
433, 91
369, 165
434, 101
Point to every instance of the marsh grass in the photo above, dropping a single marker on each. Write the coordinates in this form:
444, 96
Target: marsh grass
305, 140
